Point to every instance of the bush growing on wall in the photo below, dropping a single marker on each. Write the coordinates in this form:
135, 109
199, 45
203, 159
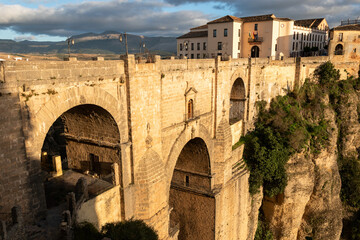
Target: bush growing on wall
125, 230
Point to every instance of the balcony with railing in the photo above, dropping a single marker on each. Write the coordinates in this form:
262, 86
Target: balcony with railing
349, 22
255, 40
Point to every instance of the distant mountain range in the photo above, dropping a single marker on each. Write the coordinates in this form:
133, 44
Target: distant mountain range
92, 43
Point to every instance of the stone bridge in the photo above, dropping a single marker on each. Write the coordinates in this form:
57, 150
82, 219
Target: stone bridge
170, 125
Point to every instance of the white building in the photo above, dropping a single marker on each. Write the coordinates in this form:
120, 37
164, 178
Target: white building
256, 36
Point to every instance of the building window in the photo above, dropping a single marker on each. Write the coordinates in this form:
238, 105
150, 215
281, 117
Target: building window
294, 36
204, 55
204, 46
192, 56
302, 36
354, 50
187, 180
180, 46
190, 112
198, 46
256, 27
296, 48
293, 46
225, 32
238, 45
198, 56
275, 47
340, 37
180, 55
219, 45
186, 45
214, 33
339, 49
239, 34
297, 36
192, 46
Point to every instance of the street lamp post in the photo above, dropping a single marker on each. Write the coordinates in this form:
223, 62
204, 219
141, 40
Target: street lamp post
141, 43
70, 41
186, 46
121, 40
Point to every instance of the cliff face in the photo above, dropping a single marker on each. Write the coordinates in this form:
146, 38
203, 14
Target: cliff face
310, 205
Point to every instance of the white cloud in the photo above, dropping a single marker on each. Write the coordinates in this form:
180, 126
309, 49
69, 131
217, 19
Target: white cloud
95, 16
333, 10
25, 37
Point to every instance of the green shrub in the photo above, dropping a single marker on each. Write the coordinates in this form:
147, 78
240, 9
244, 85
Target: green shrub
355, 230
86, 231
125, 230
263, 231
349, 169
129, 230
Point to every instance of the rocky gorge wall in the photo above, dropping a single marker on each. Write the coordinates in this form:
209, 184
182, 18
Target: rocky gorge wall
311, 206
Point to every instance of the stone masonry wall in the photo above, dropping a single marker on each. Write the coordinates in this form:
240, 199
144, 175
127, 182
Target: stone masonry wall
148, 104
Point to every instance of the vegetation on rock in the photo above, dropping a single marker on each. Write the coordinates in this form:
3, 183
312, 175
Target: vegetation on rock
297, 122
125, 230
293, 123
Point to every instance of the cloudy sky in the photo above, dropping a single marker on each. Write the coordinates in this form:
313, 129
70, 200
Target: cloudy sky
54, 20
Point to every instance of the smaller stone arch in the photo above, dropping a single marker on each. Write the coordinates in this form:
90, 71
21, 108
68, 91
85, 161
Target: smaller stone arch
237, 101
339, 49
191, 199
184, 137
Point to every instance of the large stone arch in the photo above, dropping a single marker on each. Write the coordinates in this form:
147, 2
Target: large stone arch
191, 196
42, 119
185, 136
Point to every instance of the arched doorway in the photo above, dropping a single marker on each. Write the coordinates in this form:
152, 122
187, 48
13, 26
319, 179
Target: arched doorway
86, 138
255, 50
339, 49
237, 101
191, 199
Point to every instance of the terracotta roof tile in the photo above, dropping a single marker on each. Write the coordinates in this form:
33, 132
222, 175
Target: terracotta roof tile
200, 27
261, 18
309, 23
353, 27
194, 35
226, 18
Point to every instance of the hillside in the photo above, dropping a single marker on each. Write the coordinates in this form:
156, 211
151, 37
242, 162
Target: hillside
92, 43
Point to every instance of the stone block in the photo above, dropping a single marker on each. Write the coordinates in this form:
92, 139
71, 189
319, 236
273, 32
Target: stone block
56, 160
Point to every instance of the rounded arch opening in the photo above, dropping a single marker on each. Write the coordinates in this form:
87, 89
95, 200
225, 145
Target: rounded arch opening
237, 101
255, 51
339, 49
82, 142
191, 199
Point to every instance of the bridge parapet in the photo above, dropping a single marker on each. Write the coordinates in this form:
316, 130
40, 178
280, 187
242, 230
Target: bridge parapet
56, 70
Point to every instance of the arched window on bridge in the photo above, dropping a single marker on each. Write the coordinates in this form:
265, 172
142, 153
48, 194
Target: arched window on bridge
190, 109
237, 101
